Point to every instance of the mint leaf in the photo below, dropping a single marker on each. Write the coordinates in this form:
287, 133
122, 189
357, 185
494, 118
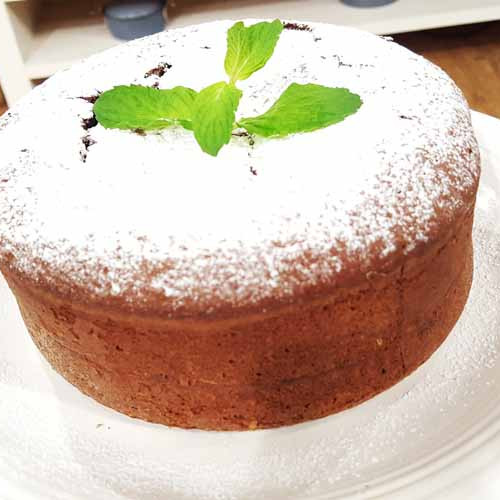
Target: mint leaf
248, 49
303, 108
138, 107
213, 116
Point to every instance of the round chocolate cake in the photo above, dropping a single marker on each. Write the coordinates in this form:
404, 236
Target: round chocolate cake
284, 279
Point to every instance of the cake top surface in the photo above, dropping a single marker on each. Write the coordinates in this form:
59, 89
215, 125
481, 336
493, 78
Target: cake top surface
138, 218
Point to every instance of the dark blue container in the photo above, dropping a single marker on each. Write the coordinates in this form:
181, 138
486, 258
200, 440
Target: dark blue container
367, 3
130, 19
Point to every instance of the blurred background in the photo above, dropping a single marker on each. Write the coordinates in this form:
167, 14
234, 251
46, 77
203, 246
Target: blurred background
40, 37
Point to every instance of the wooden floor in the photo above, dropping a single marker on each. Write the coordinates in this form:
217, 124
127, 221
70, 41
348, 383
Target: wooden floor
469, 54
3, 106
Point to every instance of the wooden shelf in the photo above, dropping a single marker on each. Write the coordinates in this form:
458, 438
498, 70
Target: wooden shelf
40, 37
65, 32
400, 16
63, 37
60, 41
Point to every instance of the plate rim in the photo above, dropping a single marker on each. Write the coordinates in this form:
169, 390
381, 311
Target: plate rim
475, 450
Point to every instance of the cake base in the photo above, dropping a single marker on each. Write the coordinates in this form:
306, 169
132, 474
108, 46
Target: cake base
294, 364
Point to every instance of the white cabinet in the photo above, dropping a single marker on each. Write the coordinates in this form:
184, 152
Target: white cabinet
40, 37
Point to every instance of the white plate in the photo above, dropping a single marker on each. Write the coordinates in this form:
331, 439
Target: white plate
439, 427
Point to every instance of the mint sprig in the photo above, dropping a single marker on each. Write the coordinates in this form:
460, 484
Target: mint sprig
210, 113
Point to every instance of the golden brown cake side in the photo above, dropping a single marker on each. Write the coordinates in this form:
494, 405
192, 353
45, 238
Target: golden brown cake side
286, 366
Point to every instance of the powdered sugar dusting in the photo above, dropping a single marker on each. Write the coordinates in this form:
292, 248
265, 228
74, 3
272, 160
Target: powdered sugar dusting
154, 213
61, 444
